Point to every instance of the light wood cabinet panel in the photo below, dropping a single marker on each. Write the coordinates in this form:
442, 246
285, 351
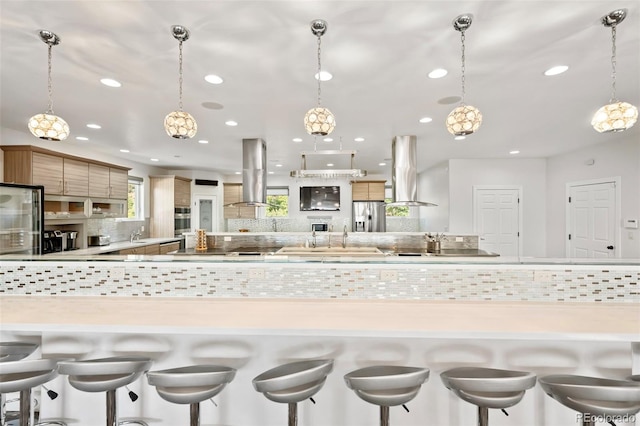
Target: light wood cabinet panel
163, 203
76, 177
233, 194
169, 247
98, 181
367, 191
182, 192
118, 184
152, 249
48, 171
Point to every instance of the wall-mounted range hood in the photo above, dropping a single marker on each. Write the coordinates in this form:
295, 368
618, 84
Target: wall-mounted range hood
404, 174
254, 173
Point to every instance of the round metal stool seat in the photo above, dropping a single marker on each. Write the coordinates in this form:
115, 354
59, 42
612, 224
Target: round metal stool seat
387, 385
191, 385
488, 387
105, 375
593, 396
15, 351
293, 382
21, 376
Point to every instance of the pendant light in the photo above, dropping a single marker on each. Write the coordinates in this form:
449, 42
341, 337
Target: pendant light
319, 121
47, 125
616, 116
180, 124
464, 119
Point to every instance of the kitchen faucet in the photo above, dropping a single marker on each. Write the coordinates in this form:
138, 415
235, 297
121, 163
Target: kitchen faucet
275, 225
135, 235
313, 241
344, 237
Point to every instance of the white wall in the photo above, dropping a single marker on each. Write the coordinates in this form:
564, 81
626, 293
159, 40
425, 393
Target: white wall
618, 156
530, 174
433, 187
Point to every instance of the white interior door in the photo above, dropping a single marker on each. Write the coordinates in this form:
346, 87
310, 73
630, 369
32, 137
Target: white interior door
205, 212
592, 220
497, 220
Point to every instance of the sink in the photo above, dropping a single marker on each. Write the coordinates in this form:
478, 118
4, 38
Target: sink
192, 384
593, 395
293, 382
16, 376
488, 387
331, 251
387, 385
14, 351
104, 374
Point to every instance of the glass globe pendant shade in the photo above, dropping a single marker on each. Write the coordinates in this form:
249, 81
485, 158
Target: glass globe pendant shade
180, 125
615, 117
48, 127
319, 121
464, 120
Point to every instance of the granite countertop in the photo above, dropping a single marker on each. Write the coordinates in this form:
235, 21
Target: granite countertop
114, 246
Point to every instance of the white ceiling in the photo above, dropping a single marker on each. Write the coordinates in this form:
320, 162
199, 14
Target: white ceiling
379, 53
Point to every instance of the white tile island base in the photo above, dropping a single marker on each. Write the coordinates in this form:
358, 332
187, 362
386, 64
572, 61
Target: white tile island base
245, 325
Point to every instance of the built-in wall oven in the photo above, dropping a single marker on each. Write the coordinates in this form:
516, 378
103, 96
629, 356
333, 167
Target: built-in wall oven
182, 220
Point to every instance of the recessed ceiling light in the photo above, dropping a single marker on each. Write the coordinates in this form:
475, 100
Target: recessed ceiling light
324, 76
82, 138
270, 173
558, 69
212, 105
238, 173
278, 165
297, 140
459, 138
426, 120
328, 139
231, 123
359, 139
213, 79
515, 151
124, 150
329, 164
203, 141
94, 126
110, 82
438, 73
382, 164
154, 159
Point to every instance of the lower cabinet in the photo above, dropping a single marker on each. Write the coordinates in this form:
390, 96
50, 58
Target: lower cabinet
169, 247
150, 249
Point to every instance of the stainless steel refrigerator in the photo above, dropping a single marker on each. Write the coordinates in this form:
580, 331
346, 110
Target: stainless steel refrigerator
21, 219
368, 216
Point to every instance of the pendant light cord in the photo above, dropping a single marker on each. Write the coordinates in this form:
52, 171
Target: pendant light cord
49, 81
613, 64
180, 74
462, 38
319, 69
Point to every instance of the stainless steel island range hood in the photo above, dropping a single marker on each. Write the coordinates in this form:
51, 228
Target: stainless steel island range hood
404, 174
254, 173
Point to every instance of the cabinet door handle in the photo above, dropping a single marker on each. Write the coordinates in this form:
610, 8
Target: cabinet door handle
609, 247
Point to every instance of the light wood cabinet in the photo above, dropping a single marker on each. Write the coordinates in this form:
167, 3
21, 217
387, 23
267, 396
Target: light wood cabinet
169, 247
163, 203
233, 194
148, 249
63, 174
182, 192
367, 190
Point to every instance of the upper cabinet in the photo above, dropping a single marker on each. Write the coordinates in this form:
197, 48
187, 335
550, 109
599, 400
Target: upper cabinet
62, 174
233, 194
371, 190
182, 192
167, 193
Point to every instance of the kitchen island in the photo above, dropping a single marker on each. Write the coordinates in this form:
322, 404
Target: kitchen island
253, 312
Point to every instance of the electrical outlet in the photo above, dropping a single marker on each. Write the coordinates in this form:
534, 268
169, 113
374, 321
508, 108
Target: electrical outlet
142, 228
256, 273
459, 239
388, 275
116, 273
227, 238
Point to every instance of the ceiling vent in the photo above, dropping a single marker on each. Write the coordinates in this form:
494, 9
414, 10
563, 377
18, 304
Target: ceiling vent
404, 174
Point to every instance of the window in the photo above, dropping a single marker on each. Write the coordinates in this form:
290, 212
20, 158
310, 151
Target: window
135, 199
278, 200
394, 211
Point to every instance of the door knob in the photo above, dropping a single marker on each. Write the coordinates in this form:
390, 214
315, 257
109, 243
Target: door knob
609, 247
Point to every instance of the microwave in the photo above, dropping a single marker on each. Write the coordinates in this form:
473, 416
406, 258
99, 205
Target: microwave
320, 227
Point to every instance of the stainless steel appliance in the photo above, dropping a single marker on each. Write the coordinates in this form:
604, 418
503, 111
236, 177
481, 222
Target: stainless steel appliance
70, 240
98, 240
21, 219
182, 220
369, 216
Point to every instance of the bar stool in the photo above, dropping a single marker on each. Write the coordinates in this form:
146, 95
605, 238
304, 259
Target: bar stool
387, 386
593, 396
488, 387
15, 351
21, 376
191, 385
105, 375
293, 382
